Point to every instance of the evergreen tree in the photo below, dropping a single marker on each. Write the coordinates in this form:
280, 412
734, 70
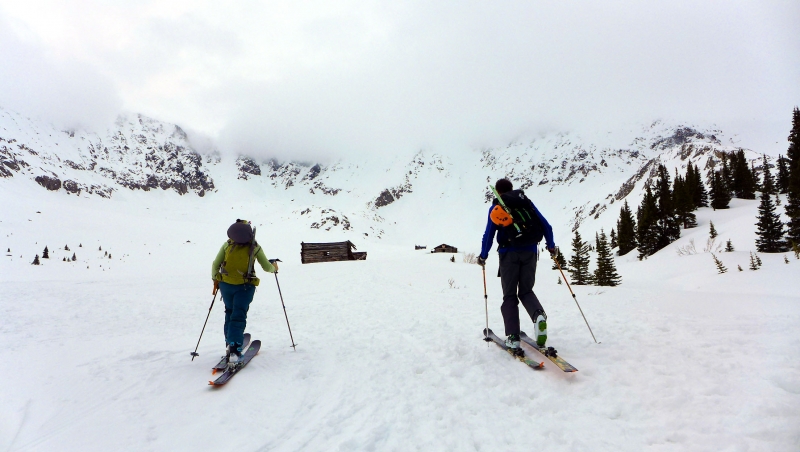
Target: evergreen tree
45, 253
720, 268
36, 260
698, 190
561, 260
667, 224
743, 177
725, 172
768, 182
782, 181
606, 272
66, 247
712, 231
626, 230
579, 262
728, 246
684, 204
647, 225
74, 258
720, 194
753, 263
613, 239
792, 206
769, 232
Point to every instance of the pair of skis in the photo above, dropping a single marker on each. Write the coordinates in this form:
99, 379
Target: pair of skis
229, 371
547, 352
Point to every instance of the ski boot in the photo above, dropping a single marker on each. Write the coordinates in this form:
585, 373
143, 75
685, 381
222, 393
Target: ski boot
512, 342
541, 330
234, 354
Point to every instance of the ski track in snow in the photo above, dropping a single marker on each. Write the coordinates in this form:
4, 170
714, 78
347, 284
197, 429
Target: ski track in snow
389, 357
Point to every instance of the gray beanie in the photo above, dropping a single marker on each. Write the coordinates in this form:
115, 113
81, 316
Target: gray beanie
240, 232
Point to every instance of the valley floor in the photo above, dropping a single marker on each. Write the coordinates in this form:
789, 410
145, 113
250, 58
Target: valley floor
390, 355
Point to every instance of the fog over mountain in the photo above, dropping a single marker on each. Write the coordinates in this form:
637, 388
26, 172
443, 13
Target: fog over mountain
365, 77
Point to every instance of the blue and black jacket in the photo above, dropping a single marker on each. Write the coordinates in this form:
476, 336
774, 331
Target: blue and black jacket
492, 228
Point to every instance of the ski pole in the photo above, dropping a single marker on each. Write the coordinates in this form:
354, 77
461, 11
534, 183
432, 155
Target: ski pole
486, 305
294, 346
194, 353
574, 297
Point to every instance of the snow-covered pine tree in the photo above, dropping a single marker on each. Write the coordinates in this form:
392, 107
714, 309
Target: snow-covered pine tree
579, 262
66, 247
729, 246
626, 230
74, 258
712, 231
769, 231
792, 206
647, 225
45, 253
720, 267
612, 236
35, 260
606, 272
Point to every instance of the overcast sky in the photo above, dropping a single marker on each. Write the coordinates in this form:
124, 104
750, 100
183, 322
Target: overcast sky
318, 77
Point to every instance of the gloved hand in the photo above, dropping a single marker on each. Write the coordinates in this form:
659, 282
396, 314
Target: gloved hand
274, 263
553, 251
216, 287
481, 261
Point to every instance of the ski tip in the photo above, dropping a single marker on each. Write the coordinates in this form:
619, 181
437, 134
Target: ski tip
213, 371
211, 383
541, 365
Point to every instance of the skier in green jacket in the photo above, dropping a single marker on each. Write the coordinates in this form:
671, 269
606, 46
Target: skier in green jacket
234, 275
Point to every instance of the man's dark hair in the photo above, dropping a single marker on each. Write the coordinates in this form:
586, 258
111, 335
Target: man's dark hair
503, 186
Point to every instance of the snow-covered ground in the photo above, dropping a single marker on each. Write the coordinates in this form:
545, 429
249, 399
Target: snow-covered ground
390, 355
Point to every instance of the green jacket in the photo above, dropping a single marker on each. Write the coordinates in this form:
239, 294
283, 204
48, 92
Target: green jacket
237, 279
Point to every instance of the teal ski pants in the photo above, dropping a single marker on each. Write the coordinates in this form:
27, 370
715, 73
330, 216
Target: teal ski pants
237, 299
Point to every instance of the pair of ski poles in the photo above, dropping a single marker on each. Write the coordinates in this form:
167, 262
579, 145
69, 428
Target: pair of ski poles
294, 346
486, 297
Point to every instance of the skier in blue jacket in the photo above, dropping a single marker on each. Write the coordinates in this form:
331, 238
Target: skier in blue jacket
518, 256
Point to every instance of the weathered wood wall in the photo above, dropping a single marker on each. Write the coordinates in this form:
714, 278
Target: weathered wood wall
329, 252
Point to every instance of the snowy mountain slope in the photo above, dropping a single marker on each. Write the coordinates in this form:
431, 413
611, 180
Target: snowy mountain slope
390, 354
575, 179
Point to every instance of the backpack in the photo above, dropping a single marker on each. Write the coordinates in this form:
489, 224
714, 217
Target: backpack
237, 267
520, 208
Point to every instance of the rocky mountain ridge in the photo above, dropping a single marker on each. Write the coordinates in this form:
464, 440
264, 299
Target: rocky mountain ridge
141, 153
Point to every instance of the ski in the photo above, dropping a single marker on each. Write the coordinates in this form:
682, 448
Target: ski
246, 357
549, 353
223, 363
488, 334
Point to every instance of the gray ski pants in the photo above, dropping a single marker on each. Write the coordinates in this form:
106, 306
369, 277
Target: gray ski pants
517, 276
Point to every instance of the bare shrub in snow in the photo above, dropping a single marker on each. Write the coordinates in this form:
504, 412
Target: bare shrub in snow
687, 250
470, 258
712, 246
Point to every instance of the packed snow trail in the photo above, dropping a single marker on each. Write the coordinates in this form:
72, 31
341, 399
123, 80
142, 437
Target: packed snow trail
390, 354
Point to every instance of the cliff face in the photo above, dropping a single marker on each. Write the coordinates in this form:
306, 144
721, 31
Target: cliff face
565, 171
139, 154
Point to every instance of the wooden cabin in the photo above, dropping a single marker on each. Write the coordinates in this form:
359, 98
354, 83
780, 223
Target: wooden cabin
444, 248
330, 252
